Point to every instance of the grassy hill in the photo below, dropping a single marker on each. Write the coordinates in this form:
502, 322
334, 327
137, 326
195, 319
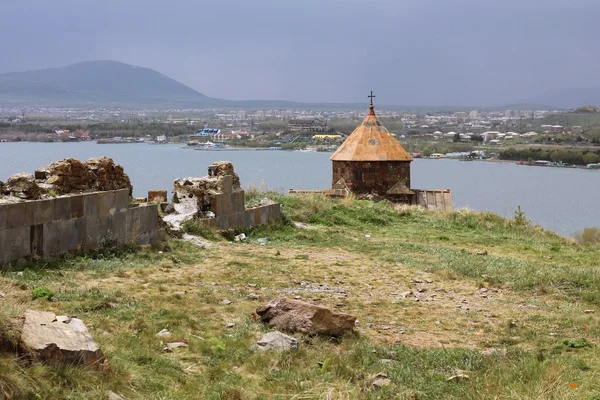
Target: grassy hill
482, 282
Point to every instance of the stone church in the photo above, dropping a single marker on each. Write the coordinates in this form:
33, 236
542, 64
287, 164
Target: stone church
372, 161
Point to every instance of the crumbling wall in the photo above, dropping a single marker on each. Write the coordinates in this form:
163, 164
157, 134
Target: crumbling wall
68, 176
217, 200
73, 224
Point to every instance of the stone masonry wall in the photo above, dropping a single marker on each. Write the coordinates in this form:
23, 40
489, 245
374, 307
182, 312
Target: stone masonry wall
371, 177
230, 212
72, 224
440, 200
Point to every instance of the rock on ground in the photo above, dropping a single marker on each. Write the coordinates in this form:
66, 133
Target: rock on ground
276, 341
299, 316
60, 339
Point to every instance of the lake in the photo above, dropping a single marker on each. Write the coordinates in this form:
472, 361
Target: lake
560, 199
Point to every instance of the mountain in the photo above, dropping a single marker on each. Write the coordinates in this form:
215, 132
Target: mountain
568, 98
99, 83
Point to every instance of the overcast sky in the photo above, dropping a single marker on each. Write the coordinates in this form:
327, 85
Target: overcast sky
436, 52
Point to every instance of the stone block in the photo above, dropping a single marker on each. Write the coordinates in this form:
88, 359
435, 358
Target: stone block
133, 225
73, 235
237, 201
216, 204
90, 205
119, 226
227, 182
90, 241
18, 242
5, 256
36, 236
264, 215
157, 196
77, 206
3, 216
19, 214
149, 218
106, 204
43, 212
121, 199
52, 233
59, 340
62, 208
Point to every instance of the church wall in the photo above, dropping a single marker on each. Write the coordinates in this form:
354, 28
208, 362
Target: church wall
371, 176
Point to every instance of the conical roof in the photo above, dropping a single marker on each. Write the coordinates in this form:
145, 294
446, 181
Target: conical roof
371, 141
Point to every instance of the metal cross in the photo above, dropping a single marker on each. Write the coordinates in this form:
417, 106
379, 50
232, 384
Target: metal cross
371, 96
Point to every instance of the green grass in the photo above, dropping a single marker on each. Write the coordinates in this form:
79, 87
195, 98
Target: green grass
357, 257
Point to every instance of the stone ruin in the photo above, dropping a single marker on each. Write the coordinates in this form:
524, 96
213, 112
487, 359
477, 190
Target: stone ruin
71, 206
68, 176
217, 201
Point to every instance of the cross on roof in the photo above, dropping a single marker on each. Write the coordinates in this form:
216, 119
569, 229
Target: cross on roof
371, 96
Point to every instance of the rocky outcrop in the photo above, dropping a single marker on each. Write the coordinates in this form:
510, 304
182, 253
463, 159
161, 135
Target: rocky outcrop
24, 186
299, 316
68, 176
59, 339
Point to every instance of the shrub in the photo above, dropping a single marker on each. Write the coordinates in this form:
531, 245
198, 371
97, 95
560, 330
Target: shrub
588, 236
42, 293
520, 218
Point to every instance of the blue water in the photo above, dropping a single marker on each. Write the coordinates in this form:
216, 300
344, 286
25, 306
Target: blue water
560, 199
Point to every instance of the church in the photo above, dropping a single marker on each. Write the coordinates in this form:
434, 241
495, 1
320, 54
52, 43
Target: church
372, 161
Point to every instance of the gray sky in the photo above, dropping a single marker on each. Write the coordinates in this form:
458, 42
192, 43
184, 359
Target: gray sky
437, 52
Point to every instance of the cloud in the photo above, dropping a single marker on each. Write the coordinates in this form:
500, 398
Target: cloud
463, 52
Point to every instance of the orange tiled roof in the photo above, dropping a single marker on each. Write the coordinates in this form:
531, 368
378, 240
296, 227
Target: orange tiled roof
371, 141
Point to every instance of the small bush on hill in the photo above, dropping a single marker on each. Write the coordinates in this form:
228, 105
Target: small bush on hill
42, 293
588, 236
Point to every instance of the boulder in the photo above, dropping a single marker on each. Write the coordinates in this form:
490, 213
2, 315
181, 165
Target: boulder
109, 175
299, 316
68, 176
1, 188
276, 341
59, 340
23, 186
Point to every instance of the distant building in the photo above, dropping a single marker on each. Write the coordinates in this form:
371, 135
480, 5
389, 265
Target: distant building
310, 125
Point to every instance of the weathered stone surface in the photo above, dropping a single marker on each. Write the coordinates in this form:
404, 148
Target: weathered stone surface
68, 176
276, 341
157, 196
24, 186
222, 168
59, 339
299, 316
109, 175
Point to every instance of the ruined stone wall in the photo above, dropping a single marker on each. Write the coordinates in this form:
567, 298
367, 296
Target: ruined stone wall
72, 224
440, 200
371, 177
